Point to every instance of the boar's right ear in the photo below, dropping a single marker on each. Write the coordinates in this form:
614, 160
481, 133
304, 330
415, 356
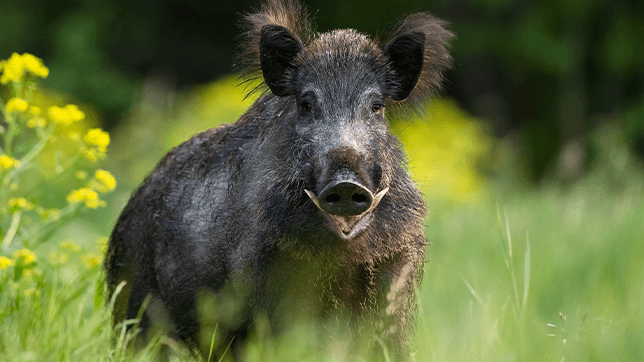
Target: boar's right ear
405, 54
277, 50
417, 55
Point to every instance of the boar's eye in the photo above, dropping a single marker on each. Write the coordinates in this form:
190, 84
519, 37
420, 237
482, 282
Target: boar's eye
306, 106
376, 107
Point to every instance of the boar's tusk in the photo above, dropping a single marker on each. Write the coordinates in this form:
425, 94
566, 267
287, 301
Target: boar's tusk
313, 198
349, 226
376, 200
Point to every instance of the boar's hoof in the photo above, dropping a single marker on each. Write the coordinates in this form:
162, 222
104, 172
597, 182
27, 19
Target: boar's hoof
347, 207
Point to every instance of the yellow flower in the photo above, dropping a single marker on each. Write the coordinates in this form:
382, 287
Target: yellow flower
14, 68
74, 136
102, 244
87, 195
58, 257
91, 260
25, 256
7, 162
93, 155
34, 65
70, 245
31, 292
35, 110
29, 275
65, 115
97, 140
50, 213
37, 122
20, 203
98, 137
81, 175
6, 262
16, 105
105, 182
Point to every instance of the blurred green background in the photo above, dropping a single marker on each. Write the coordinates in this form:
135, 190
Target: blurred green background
530, 158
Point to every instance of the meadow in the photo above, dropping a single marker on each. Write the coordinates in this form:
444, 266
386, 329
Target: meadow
515, 271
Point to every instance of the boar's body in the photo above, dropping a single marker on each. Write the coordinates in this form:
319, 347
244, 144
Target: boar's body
301, 211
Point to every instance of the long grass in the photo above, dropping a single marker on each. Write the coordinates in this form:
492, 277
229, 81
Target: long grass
578, 251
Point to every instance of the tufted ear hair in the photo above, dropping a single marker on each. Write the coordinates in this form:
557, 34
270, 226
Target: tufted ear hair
405, 54
277, 50
417, 54
273, 36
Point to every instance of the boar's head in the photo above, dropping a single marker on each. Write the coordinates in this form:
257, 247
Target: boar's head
340, 83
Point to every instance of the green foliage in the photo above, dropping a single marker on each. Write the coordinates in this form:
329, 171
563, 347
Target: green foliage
446, 148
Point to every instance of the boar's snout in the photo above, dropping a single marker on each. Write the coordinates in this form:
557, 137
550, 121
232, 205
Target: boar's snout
345, 188
347, 206
345, 198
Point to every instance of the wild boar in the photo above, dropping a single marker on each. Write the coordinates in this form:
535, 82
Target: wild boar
302, 211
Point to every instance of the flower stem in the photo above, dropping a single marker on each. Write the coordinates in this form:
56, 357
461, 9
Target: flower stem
24, 161
15, 221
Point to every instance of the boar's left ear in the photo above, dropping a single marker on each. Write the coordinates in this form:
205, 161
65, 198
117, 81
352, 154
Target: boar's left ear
277, 50
405, 54
417, 54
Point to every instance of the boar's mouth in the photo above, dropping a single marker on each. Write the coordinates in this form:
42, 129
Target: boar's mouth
347, 223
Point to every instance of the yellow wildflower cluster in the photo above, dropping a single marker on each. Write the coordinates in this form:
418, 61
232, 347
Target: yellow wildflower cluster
91, 260
97, 140
44, 123
31, 292
70, 245
28, 275
7, 162
36, 121
103, 181
86, 195
102, 244
25, 256
14, 68
20, 203
48, 213
58, 257
65, 115
16, 105
6, 262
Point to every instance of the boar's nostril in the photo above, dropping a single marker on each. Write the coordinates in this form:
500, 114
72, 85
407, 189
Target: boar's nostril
332, 198
358, 197
345, 198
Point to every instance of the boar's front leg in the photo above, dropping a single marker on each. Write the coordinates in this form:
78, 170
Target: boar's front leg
397, 305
